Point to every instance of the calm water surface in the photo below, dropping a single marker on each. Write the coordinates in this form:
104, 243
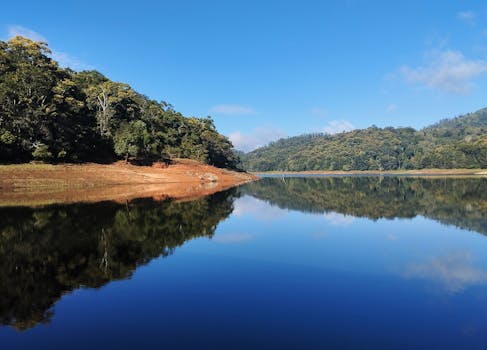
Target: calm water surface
282, 263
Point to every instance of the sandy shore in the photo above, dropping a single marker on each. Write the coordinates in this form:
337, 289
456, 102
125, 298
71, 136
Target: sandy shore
41, 184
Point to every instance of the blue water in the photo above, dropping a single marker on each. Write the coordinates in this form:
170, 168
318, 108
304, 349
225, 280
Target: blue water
272, 277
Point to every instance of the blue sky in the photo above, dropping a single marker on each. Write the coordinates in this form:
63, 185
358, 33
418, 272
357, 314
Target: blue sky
266, 69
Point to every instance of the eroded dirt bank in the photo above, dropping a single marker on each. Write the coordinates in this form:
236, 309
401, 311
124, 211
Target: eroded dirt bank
40, 184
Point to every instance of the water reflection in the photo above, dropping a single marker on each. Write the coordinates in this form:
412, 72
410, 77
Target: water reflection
48, 251
456, 201
265, 264
455, 271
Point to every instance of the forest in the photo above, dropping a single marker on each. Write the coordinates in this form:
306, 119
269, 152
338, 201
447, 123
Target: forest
52, 114
460, 142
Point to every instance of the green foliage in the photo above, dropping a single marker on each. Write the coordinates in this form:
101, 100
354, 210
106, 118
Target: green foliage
56, 114
455, 143
41, 151
133, 140
6, 137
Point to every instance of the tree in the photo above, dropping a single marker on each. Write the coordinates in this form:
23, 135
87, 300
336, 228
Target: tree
133, 140
112, 101
56, 114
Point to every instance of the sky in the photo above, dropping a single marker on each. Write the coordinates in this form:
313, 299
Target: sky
270, 69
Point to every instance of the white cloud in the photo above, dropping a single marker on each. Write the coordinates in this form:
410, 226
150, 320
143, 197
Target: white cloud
391, 108
337, 219
17, 30
454, 271
64, 59
257, 138
448, 71
338, 126
467, 16
232, 110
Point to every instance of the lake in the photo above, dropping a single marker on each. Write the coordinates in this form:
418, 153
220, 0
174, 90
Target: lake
281, 263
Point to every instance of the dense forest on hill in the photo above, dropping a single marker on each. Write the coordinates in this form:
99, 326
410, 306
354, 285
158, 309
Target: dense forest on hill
452, 143
58, 115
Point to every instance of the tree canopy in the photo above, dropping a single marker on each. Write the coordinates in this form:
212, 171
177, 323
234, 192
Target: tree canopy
54, 114
454, 143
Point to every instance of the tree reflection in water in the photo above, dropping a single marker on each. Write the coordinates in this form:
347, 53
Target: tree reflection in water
45, 252
455, 201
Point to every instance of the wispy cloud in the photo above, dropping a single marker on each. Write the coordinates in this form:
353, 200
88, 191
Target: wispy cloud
454, 271
467, 16
319, 112
229, 109
64, 59
448, 71
338, 126
257, 138
16, 30
67, 60
391, 108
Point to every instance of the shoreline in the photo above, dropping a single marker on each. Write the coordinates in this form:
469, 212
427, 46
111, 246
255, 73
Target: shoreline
416, 172
44, 184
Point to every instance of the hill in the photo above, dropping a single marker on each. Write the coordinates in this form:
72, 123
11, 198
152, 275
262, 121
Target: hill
460, 142
53, 114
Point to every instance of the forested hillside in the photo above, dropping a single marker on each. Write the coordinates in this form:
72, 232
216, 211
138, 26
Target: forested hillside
58, 115
454, 143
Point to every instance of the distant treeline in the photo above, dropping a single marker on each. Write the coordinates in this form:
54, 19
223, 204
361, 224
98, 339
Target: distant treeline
57, 115
454, 143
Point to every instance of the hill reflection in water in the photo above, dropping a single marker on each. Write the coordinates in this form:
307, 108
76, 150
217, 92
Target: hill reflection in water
263, 266
454, 201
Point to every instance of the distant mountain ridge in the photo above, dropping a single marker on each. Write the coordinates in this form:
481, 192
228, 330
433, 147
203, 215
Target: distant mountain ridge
459, 142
